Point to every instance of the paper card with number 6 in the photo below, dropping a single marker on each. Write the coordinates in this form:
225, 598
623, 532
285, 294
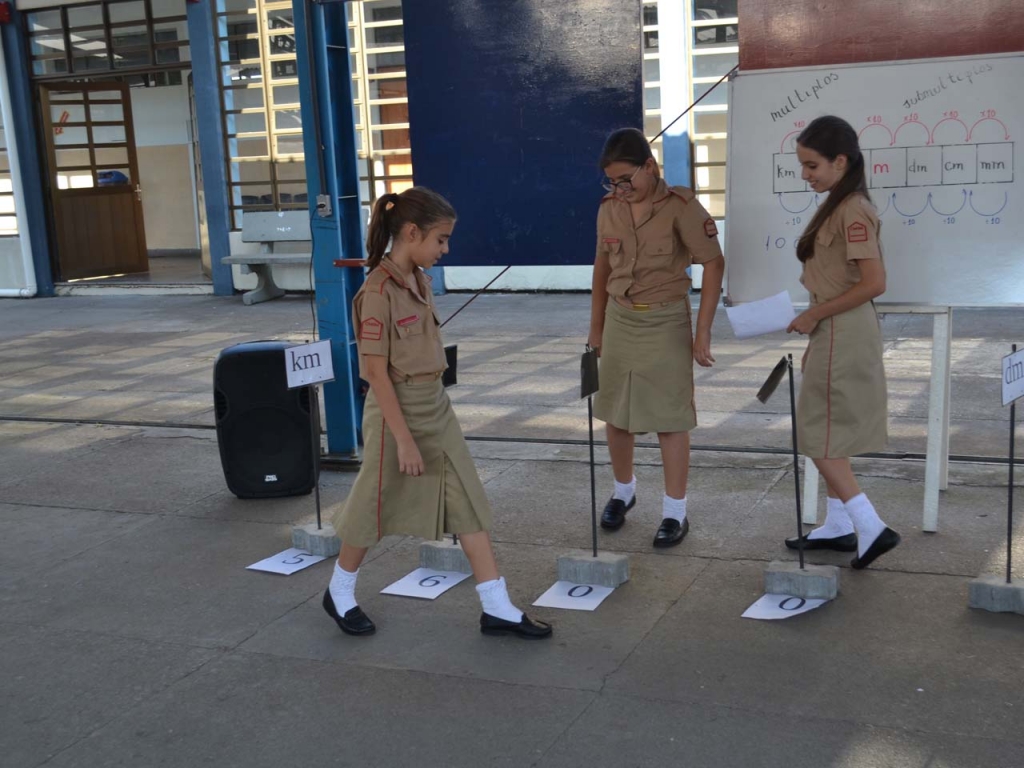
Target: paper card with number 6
425, 583
574, 597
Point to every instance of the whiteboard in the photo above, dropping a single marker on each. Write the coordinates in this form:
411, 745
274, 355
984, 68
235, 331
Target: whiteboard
941, 143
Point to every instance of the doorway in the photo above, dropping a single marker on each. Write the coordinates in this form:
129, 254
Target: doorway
93, 179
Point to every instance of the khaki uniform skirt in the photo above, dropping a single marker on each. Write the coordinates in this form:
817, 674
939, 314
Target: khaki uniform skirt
843, 406
447, 498
646, 374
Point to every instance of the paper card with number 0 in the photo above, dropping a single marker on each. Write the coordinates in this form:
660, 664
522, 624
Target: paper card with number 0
769, 607
573, 597
425, 583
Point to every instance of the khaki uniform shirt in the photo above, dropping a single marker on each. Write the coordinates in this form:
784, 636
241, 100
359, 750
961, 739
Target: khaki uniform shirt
395, 323
649, 259
849, 234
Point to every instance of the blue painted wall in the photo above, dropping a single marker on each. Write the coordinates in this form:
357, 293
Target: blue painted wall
510, 102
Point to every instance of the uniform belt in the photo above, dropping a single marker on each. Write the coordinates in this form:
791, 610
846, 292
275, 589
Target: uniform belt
641, 307
420, 378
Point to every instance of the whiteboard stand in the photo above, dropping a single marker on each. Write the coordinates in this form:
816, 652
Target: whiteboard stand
936, 473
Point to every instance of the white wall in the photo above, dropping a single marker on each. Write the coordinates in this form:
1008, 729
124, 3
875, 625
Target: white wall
162, 124
12, 273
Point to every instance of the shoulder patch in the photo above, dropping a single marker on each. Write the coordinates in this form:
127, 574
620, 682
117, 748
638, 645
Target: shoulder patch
371, 329
857, 232
709, 228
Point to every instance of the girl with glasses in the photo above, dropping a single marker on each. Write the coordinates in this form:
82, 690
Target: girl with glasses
648, 234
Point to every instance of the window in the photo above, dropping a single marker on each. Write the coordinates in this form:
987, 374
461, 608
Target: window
111, 36
259, 87
260, 99
381, 103
8, 222
715, 51
651, 75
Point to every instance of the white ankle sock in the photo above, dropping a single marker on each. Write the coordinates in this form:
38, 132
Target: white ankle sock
674, 508
495, 601
625, 491
866, 522
837, 522
343, 589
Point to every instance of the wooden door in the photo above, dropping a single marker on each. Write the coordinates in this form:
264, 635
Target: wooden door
93, 179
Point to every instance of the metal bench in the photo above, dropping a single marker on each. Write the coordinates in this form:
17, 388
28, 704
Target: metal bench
269, 228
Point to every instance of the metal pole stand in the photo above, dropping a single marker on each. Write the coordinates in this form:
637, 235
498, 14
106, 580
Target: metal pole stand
992, 592
315, 538
784, 577
604, 569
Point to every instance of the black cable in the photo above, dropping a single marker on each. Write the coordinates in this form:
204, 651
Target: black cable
698, 101
474, 296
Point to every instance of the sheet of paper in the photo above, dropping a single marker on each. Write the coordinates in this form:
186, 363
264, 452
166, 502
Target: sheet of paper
309, 364
574, 597
425, 583
756, 318
1013, 377
287, 562
770, 607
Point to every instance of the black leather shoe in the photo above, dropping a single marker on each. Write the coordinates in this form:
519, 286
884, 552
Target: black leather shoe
847, 543
614, 514
354, 622
527, 627
886, 540
671, 532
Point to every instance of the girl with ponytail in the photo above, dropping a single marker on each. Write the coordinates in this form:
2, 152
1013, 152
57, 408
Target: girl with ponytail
417, 477
842, 410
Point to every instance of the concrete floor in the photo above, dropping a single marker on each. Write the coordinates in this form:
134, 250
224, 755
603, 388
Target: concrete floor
132, 635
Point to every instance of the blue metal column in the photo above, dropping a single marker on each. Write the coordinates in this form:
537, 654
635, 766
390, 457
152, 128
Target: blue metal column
332, 179
206, 78
24, 132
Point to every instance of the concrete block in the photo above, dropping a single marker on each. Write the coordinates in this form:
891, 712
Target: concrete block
992, 593
785, 577
608, 569
323, 542
444, 556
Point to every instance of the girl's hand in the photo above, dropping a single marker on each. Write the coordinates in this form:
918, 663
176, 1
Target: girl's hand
702, 349
409, 460
804, 323
594, 340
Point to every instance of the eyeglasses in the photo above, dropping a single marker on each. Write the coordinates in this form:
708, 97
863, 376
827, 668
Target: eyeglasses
621, 186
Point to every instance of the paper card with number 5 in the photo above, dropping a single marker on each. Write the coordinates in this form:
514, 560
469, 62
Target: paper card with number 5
286, 563
425, 583
573, 597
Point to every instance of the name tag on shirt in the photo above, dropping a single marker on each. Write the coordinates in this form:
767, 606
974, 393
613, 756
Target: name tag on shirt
406, 321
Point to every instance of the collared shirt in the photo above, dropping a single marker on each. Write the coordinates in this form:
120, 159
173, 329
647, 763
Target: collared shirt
649, 259
849, 234
393, 322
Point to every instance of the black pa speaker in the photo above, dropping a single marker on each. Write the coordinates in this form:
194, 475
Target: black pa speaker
264, 429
